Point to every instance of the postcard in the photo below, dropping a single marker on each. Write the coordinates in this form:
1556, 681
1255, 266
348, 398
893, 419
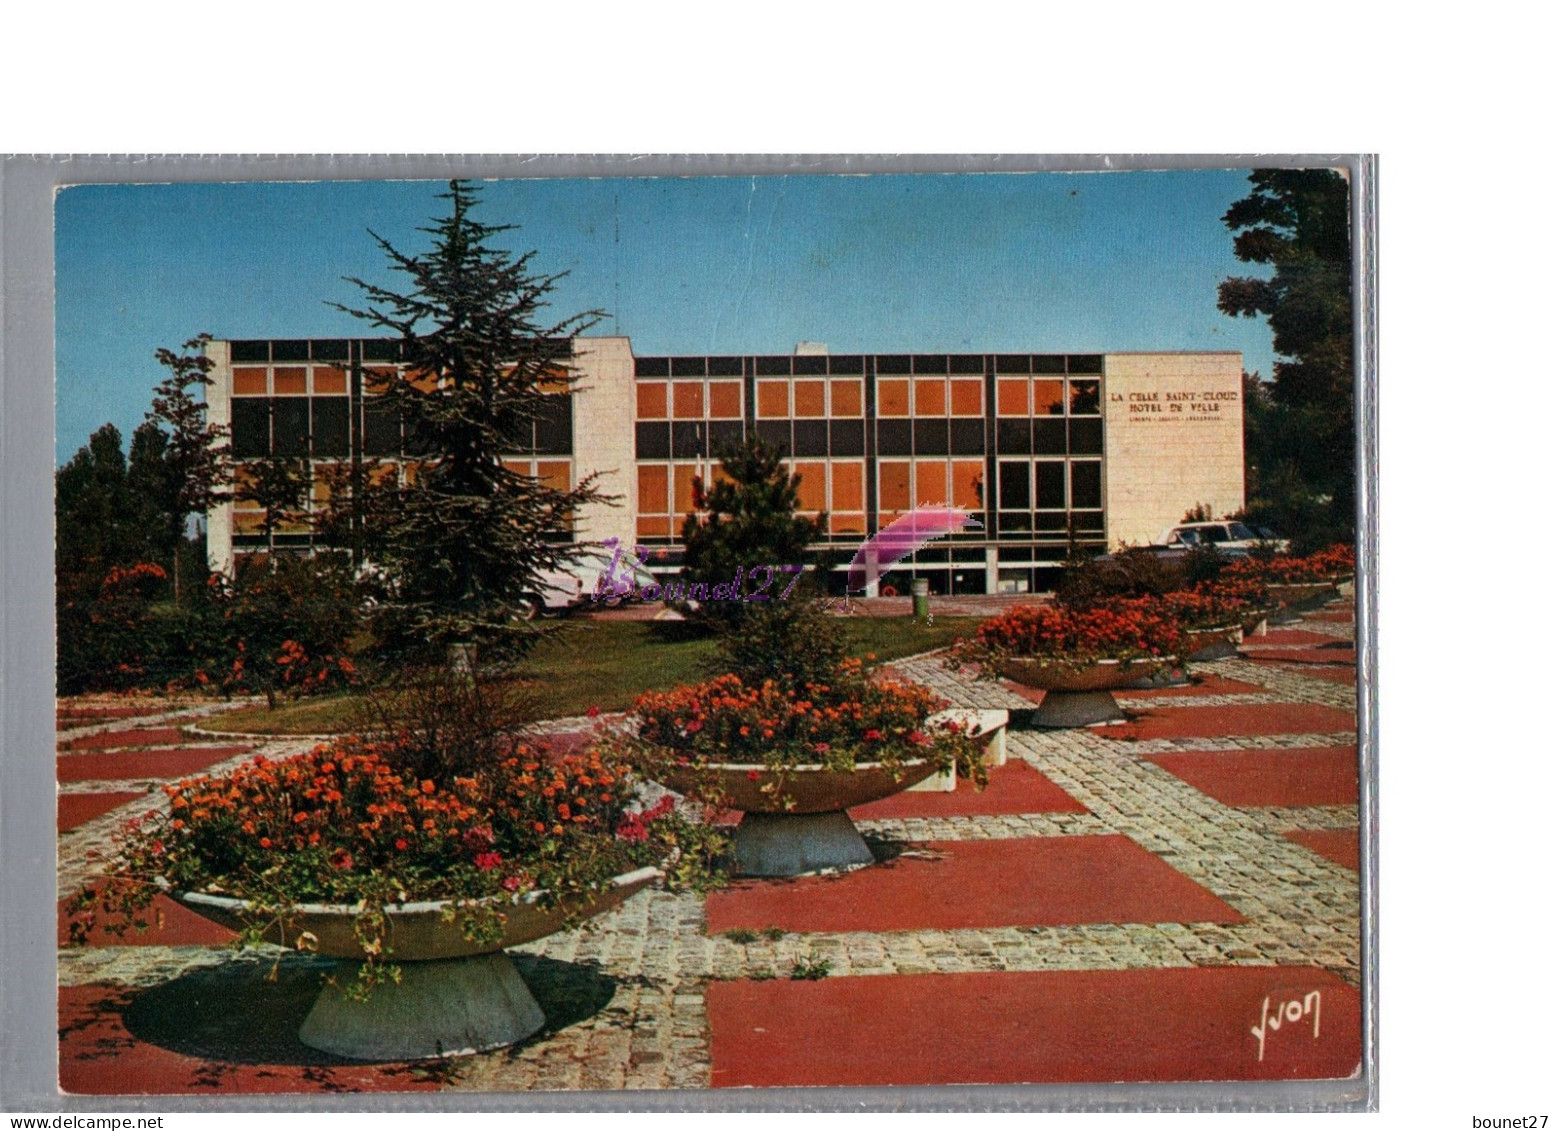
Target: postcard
703, 633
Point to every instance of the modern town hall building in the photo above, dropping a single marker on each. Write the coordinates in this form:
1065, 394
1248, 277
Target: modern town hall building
1051, 451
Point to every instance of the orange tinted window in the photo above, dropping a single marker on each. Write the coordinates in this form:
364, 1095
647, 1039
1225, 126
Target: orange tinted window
553, 473
930, 484
892, 486
846, 398
968, 483
249, 383
892, 398
809, 398
654, 527
555, 381
847, 523
376, 380
1049, 398
517, 466
848, 486
654, 490
291, 380
248, 522
651, 400
684, 474
329, 380
930, 398
724, 399
813, 486
968, 398
424, 380
688, 400
773, 399
1011, 398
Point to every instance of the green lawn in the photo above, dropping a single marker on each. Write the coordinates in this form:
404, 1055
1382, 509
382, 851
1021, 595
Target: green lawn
606, 664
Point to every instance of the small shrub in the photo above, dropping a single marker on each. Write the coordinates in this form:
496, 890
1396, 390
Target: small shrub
742, 935
810, 970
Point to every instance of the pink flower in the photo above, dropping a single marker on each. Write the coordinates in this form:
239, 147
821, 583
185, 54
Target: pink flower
873, 735
593, 712
511, 883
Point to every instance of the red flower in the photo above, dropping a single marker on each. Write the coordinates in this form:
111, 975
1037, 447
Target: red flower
593, 712
487, 861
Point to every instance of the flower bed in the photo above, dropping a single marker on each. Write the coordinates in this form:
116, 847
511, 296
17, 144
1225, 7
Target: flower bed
1321, 566
850, 721
1129, 629
342, 825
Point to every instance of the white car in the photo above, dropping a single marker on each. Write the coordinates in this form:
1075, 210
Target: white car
584, 582
1226, 535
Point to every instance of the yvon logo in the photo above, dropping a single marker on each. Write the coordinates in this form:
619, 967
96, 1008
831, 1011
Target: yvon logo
1291, 1012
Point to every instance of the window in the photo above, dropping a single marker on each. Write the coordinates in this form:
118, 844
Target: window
651, 400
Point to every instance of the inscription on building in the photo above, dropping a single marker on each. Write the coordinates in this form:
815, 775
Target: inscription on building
1158, 406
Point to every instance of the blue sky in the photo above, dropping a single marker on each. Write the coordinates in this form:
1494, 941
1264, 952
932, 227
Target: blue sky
1042, 262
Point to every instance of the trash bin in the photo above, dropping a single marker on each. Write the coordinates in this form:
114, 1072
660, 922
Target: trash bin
919, 588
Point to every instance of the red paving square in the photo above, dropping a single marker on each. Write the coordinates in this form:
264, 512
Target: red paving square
1247, 718
1073, 1026
1321, 775
1339, 846
1288, 637
1301, 655
175, 1040
136, 765
120, 739
1332, 616
1199, 685
83, 715
1014, 788
1026, 881
170, 924
76, 809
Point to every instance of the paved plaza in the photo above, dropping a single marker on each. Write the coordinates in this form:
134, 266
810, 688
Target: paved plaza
1172, 898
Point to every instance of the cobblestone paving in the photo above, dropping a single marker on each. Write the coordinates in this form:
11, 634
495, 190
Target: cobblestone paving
655, 958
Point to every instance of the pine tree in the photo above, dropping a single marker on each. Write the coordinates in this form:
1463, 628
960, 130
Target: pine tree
465, 539
194, 463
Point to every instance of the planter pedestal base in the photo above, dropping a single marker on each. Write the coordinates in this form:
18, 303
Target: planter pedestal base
443, 1007
792, 844
1224, 649
1077, 709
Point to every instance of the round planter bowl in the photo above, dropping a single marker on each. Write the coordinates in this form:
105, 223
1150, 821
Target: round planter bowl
810, 789
1202, 644
1303, 595
1079, 696
1100, 675
454, 996
815, 832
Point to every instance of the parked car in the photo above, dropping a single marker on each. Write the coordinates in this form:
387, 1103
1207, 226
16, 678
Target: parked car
1228, 535
584, 581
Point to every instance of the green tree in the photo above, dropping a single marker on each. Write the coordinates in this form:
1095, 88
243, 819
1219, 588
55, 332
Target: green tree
188, 464
745, 522
1297, 222
100, 518
466, 539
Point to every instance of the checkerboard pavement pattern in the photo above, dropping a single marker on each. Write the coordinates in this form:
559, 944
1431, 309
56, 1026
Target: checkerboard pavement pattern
649, 997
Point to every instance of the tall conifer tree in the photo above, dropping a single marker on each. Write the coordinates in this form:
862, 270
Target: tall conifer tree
466, 539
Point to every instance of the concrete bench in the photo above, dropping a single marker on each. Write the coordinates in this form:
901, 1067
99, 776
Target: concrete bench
990, 724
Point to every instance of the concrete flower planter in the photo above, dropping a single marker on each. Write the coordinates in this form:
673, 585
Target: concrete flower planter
1303, 595
1079, 695
795, 821
454, 996
1202, 644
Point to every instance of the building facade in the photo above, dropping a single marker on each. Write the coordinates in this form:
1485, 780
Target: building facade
1052, 452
